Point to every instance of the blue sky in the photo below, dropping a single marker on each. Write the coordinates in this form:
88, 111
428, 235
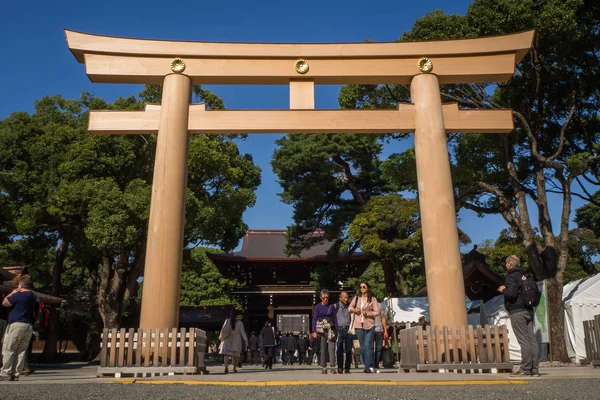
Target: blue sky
36, 61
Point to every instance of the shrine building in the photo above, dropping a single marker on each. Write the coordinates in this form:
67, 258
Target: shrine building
277, 286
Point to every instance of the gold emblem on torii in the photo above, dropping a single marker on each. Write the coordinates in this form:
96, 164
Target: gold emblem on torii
301, 66
425, 65
178, 65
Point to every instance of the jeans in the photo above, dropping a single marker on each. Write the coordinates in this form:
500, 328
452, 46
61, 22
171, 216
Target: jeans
377, 352
16, 341
327, 349
344, 345
523, 326
365, 338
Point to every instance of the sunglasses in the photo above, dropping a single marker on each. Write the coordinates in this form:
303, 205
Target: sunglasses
324, 297
363, 287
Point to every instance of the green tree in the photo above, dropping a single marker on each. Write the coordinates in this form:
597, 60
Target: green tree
587, 235
555, 100
374, 277
201, 282
328, 179
588, 216
389, 231
86, 197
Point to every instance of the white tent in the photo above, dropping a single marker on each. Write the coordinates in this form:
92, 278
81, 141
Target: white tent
581, 301
497, 315
410, 309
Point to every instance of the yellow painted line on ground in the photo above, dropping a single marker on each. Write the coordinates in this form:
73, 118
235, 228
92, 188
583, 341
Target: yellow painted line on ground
296, 383
124, 381
304, 383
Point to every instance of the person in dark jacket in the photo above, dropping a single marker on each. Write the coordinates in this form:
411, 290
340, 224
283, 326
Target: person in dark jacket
302, 347
521, 317
283, 344
267, 335
290, 348
253, 348
278, 355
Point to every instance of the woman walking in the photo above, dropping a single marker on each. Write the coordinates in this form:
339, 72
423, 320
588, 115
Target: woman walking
324, 326
366, 307
231, 337
267, 335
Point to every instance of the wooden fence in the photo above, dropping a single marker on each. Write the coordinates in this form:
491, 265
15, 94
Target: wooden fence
591, 331
455, 349
151, 352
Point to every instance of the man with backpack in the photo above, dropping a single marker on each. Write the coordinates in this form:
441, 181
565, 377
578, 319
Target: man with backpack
520, 296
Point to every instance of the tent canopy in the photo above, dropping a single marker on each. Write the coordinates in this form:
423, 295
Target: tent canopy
584, 292
581, 302
410, 309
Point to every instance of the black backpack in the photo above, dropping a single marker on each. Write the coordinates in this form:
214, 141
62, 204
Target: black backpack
529, 292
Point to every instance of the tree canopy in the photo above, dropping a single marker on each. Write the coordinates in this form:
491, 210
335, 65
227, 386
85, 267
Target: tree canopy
553, 150
75, 202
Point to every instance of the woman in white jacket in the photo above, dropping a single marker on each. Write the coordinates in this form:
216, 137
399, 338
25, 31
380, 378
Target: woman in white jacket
231, 337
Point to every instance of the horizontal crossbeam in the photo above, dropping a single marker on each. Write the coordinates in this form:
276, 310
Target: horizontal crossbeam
126, 60
450, 69
301, 121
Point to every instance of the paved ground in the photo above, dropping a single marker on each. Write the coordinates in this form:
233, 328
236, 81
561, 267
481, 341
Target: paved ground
548, 390
84, 373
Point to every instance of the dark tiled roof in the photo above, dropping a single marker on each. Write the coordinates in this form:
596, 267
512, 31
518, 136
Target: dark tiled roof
266, 244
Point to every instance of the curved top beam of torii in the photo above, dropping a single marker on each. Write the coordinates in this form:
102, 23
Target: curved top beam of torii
123, 60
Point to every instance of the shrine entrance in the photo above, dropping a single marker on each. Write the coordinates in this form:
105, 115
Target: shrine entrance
423, 65
277, 287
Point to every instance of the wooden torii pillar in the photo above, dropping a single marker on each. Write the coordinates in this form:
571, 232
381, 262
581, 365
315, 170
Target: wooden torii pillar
177, 65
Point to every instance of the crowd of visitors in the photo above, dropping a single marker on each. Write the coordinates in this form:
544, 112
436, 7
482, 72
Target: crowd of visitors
345, 333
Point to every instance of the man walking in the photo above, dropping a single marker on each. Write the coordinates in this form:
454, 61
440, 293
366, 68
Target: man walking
302, 346
283, 343
290, 347
381, 329
19, 331
521, 317
253, 348
344, 340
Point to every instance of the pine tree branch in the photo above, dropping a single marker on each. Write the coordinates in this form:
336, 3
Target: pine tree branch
349, 179
563, 129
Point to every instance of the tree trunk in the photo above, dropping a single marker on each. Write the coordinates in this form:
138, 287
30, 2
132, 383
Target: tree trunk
390, 278
108, 296
558, 348
50, 353
117, 286
92, 342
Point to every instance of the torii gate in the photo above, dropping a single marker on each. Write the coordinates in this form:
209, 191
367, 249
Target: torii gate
178, 65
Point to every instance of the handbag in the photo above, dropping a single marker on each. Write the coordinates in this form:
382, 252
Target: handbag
323, 324
351, 329
225, 331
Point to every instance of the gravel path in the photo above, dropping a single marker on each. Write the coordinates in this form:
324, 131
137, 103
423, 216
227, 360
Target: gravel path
547, 390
